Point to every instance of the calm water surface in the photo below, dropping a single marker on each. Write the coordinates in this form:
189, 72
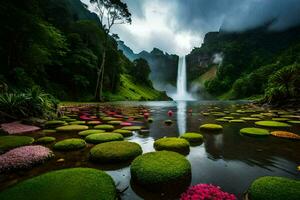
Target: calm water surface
227, 159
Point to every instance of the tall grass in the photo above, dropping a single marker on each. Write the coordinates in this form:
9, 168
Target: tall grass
32, 102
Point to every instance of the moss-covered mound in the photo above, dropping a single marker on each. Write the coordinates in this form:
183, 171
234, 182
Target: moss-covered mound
237, 121
115, 122
211, 127
90, 132
10, 142
250, 118
54, 123
228, 117
285, 134
172, 144
150, 120
117, 151
132, 128
45, 140
160, 170
222, 120
280, 119
78, 122
274, 188
66, 184
46, 131
103, 137
106, 127
93, 122
255, 131
274, 124
109, 118
70, 144
294, 121
72, 128
193, 138
125, 133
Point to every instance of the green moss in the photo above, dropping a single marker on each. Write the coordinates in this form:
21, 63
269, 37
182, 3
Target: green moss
11, 141
237, 121
49, 131
72, 128
272, 124
103, 137
172, 144
132, 128
117, 151
70, 120
255, 131
257, 116
274, 188
125, 133
106, 127
250, 118
109, 118
70, 144
211, 127
193, 138
78, 122
89, 132
66, 184
54, 123
160, 170
281, 119
45, 140
294, 121
218, 114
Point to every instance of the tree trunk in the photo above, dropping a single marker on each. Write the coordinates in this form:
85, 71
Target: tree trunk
102, 77
98, 90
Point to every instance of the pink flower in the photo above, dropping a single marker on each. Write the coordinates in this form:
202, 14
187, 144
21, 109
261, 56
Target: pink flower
206, 192
24, 157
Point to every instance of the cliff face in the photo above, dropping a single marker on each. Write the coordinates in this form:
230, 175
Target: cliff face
163, 65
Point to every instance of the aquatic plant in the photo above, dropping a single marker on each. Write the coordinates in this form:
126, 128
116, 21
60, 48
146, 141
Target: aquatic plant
24, 157
206, 192
272, 124
172, 144
285, 134
211, 127
274, 188
116, 151
161, 170
255, 131
67, 184
132, 128
103, 137
125, 133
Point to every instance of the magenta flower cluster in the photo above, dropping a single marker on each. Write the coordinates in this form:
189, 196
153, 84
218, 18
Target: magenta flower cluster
206, 192
24, 157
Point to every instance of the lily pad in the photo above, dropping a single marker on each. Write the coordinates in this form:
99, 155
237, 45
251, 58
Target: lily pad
285, 134
255, 131
72, 128
272, 124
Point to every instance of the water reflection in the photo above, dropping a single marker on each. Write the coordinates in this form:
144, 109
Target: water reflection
181, 116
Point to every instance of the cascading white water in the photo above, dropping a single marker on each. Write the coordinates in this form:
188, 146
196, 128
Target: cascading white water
182, 93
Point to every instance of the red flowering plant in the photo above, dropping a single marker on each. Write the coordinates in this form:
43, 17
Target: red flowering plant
206, 192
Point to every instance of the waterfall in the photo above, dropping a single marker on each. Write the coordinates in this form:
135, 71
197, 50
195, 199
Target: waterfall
182, 93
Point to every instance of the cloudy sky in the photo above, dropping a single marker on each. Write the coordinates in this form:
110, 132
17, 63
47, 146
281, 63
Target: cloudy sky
176, 26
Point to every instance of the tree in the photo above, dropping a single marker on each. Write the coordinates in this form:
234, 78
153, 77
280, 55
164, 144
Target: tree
110, 13
141, 71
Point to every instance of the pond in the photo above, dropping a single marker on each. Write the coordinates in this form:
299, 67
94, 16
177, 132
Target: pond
226, 158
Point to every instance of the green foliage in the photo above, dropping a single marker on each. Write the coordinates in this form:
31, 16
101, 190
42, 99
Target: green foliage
274, 188
81, 184
103, 137
283, 84
141, 72
70, 144
255, 131
30, 103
